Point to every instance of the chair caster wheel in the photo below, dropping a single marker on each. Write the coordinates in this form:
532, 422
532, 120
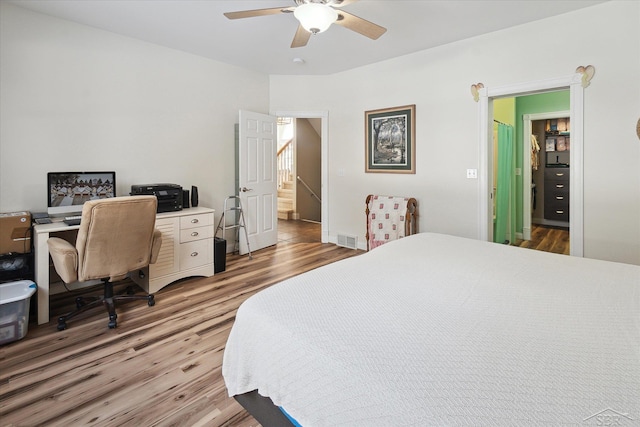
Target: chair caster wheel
62, 325
112, 322
151, 302
80, 303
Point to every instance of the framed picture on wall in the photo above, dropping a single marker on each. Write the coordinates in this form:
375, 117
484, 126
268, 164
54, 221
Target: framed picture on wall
390, 140
560, 144
550, 144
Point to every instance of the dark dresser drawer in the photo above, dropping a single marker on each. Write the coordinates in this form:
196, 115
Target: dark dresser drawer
556, 174
557, 213
556, 198
556, 194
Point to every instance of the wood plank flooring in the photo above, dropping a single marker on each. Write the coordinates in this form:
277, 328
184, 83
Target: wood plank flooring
547, 239
160, 367
298, 231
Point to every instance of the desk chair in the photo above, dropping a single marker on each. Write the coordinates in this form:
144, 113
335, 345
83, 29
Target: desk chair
116, 236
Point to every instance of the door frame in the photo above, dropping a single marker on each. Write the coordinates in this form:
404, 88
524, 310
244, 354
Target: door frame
526, 165
324, 167
487, 94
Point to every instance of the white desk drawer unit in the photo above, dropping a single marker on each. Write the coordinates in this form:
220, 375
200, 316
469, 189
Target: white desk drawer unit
186, 250
193, 221
196, 234
177, 258
195, 254
196, 227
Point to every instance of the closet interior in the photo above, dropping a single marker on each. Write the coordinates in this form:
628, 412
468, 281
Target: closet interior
550, 167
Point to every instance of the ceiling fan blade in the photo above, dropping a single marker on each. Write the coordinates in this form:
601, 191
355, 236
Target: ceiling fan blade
301, 38
258, 12
359, 25
341, 3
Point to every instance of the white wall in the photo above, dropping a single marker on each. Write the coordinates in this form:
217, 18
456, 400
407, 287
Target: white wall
438, 81
78, 98
75, 97
308, 159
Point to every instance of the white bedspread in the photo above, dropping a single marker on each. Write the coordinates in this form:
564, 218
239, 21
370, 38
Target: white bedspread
435, 330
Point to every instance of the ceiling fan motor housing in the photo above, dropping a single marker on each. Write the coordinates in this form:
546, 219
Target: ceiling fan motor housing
316, 16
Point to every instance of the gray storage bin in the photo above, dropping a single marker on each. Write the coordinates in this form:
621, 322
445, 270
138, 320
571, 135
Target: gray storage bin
14, 309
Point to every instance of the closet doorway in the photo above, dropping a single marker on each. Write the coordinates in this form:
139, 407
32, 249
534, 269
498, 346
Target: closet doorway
531, 171
573, 84
547, 136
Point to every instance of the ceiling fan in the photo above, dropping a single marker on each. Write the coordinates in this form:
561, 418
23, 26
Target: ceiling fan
316, 16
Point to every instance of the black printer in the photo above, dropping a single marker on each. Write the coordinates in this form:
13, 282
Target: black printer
169, 195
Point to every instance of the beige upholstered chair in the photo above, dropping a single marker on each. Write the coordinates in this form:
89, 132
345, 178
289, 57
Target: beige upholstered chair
116, 236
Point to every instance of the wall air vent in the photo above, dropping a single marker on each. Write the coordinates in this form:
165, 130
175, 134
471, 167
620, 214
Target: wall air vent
350, 242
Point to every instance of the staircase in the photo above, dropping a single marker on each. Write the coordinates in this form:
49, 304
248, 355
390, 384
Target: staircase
286, 186
285, 199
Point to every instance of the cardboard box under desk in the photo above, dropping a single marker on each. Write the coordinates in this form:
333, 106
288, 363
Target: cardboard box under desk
15, 232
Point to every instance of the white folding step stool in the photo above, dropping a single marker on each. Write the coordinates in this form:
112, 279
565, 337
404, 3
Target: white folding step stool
238, 221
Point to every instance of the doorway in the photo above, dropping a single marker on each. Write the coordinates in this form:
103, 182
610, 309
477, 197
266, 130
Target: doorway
531, 185
548, 198
573, 84
321, 123
298, 167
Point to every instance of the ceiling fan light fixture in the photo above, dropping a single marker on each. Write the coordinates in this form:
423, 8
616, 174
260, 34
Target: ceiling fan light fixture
315, 17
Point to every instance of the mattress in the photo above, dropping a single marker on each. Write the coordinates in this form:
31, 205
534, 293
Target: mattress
433, 329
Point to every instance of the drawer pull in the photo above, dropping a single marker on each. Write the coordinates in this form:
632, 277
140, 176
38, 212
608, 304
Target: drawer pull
559, 212
194, 221
559, 185
194, 234
559, 198
194, 254
560, 174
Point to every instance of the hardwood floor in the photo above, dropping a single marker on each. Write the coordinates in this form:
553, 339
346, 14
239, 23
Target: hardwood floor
547, 239
298, 231
161, 366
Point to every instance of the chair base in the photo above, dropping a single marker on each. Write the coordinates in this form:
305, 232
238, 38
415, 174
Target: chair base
108, 300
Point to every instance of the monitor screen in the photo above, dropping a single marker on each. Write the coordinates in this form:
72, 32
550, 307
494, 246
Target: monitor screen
69, 190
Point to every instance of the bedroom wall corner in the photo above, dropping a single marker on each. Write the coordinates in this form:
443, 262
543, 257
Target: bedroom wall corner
437, 81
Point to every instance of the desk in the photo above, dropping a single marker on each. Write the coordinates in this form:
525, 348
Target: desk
177, 240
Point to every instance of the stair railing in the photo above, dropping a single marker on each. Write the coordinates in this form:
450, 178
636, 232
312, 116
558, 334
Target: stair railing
310, 190
284, 158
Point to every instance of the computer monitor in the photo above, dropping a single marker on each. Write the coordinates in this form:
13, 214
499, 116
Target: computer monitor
69, 190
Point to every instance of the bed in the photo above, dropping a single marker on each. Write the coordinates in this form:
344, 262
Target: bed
433, 329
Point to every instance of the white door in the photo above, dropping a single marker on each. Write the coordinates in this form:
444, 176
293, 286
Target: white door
257, 178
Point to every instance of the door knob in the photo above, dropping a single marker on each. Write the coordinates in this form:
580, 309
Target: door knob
245, 189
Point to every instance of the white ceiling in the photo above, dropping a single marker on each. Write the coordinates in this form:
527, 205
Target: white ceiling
262, 43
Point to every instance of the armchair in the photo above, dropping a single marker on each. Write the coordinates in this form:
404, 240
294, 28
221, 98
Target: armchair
116, 236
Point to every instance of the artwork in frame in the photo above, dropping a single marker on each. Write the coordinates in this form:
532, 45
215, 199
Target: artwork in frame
390, 140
